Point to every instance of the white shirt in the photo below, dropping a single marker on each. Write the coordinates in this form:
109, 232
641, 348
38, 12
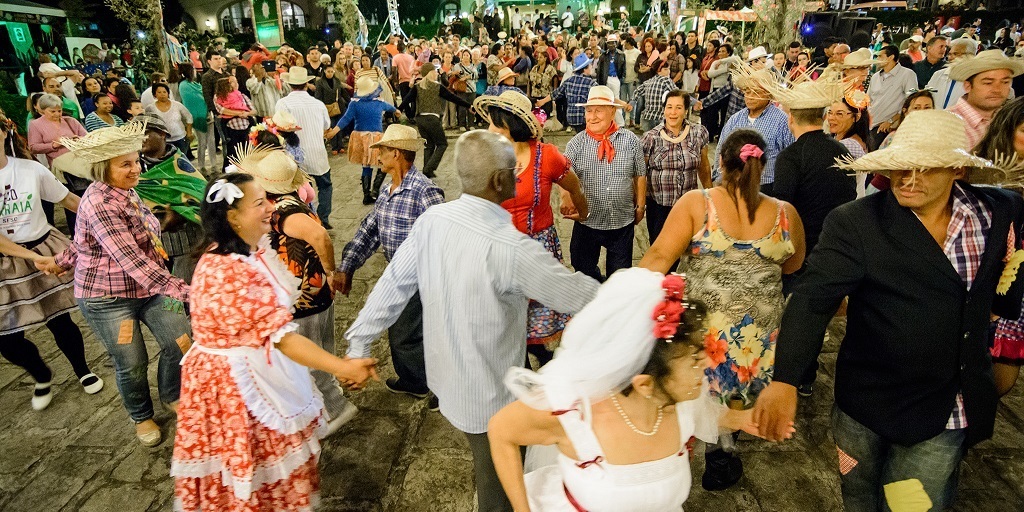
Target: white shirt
474, 272
887, 92
147, 98
631, 56
175, 119
517, 21
25, 184
311, 115
567, 19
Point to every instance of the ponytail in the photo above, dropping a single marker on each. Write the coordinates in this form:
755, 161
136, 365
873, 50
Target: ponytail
743, 162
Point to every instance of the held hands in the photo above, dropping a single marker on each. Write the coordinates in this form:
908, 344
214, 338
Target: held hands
329, 134
341, 282
775, 411
48, 266
568, 209
698, 106
353, 373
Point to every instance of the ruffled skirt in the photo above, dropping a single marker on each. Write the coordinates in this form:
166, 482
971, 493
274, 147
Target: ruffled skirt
544, 322
28, 297
359, 150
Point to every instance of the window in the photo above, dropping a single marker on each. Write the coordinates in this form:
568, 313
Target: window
237, 17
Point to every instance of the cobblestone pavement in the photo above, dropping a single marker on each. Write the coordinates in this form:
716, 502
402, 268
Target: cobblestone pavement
80, 453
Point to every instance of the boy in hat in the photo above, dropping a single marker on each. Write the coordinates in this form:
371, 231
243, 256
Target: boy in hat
920, 266
986, 79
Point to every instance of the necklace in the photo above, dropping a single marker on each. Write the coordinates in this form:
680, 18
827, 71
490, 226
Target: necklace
657, 422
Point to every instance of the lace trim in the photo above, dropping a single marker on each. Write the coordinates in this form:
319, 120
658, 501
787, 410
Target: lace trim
285, 329
260, 406
243, 487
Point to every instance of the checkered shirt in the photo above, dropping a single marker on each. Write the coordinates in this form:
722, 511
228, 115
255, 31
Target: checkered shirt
730, 92
975, 123
236, 123
574, 91
772, 124
113, 254
392, 218
608, 187
496, 90
672, 167
653, 92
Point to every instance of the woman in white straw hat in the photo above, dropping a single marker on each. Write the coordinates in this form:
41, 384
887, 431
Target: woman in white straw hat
121, 280
539, 166
366, 112
622, 397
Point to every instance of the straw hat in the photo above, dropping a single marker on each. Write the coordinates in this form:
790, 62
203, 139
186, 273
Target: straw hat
915, 147
504, 74
600, 96
106, 143
232, 53
273, 169
861, 58
806, 94
297, 75
399, 136
365, 85
514, 102
966, 67
284, 120
502, 35
745, 76
757, 53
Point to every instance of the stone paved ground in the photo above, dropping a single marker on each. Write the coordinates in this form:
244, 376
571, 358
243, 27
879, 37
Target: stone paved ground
80, 454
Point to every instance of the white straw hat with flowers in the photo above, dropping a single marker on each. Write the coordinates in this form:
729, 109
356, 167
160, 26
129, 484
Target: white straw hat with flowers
106, 143
967, 66
275, 170
284, 120
514, 102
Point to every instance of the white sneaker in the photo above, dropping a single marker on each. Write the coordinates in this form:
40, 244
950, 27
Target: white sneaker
95, 384
41, 396
344, 417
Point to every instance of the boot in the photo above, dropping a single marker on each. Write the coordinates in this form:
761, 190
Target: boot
378, 180
365, 181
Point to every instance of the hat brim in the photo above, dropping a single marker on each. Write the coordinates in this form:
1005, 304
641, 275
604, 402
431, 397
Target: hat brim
969, 69
298, 180
897, 158
592, 103
403, 144
483, 103
583, 66
289, 81
867, 64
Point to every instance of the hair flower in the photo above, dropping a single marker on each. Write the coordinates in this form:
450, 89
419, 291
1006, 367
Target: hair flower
669, 312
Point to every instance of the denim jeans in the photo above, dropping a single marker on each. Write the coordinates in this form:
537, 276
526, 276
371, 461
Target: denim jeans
324, 192
116, 321
934, 463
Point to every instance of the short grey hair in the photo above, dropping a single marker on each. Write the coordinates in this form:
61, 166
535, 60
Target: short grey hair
49, 101
971, 44
478, 155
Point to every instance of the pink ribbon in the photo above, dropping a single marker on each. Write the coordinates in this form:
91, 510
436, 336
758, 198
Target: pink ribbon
750, 150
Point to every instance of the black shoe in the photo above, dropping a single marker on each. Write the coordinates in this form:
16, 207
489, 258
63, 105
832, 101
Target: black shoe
721, 471
430, 174
396, 386
327, 225
432, 404
805, 390
365, 182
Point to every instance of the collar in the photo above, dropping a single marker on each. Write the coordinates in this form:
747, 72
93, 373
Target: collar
972, 116
408, 182
963, 204
110, 193
489, 209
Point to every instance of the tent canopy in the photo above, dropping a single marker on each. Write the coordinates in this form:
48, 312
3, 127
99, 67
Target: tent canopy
26, 7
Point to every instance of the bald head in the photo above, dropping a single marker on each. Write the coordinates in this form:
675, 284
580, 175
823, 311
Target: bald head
486, 163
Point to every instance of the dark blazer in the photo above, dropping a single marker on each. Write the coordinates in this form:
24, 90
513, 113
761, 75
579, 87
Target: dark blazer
915, 335
606, 60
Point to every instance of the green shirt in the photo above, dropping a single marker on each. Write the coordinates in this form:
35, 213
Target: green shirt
71, 109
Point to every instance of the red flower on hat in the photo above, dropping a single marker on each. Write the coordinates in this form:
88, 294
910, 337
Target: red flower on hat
669, 312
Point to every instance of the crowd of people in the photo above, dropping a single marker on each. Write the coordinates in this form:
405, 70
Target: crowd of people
790, 185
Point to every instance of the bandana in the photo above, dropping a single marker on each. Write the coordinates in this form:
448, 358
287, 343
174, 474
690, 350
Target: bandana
605, 149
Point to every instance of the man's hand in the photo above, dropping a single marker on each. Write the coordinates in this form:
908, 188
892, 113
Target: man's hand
639, 214
341, 282
357, 372
698, 106
775, 411
885, 127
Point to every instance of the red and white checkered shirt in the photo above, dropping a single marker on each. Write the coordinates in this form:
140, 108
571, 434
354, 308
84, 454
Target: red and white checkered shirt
975, 122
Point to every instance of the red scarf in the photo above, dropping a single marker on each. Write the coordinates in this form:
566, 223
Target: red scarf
604, 143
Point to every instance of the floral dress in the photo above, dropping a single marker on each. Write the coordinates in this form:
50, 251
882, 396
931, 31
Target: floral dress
249, 419
740, 282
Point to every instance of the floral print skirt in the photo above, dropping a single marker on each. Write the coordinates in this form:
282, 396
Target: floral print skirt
544, 323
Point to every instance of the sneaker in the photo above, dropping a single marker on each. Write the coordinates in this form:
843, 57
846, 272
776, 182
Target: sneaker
805, 390
433, 404
91, 383
41, 396
396, 386
343, 417
721, 471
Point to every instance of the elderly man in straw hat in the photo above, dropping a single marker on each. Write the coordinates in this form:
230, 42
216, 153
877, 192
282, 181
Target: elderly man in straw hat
986, 79
407, 196
945, 91
613, 172
921, 266
313, 122
468, 252
758, 114
757, 59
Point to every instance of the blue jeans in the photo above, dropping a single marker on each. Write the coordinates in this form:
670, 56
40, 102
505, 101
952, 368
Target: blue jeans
324, 191
934, 463
116, 321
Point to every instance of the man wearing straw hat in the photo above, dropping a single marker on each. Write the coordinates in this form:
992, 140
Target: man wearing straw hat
923, 268
398, 206
756, 59
986, 79
505, 81
468, 254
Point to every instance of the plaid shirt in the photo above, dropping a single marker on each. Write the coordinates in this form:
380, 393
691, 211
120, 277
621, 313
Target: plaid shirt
975, 122
496, 90
653, 92
772, 124
235, 123
730, 91
672, 167
391, 219
113, 253
574, 90
965, 245
608, 187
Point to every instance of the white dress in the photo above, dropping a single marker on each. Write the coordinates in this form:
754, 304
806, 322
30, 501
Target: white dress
593, 485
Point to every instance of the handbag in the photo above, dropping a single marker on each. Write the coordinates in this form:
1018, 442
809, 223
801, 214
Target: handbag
458, 82
334, 109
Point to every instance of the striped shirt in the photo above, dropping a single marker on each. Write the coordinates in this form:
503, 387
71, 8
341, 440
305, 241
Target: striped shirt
975, 121
608, 186
93, 122
772, 124
474, 272
311, 115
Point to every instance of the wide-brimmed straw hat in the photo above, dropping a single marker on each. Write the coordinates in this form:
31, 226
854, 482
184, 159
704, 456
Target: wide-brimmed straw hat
600, 96
504, 74
861, 58
365, 85
284, 120
965, 67
745, 76
399, 136
106, 143
915, 147
274, 169
297, 75
514, 102
804, 93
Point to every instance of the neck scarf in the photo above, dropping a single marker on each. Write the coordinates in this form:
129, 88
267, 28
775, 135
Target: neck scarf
605, 149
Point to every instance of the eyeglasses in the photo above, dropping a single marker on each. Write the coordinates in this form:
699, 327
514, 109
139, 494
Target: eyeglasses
839, 113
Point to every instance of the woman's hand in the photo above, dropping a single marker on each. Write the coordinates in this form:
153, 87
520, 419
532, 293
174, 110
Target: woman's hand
49, 266
353, 373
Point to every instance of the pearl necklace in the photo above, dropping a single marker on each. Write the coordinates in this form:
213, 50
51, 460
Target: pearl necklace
657, 422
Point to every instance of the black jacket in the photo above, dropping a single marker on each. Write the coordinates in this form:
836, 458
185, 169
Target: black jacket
915, 335
606, 60
807, 178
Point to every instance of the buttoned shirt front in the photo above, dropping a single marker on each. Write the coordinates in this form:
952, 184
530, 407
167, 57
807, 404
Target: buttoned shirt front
975, 121
311, 115
887, 92
608, 186
467, 254
772, 124
672, 166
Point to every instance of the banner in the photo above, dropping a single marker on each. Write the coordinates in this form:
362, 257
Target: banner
266, 22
